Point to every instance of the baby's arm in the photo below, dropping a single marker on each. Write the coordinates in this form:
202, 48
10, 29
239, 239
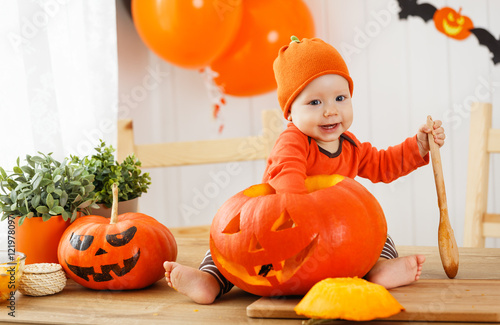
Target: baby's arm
423, 140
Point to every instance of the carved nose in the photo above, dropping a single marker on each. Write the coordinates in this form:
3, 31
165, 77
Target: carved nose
100, 252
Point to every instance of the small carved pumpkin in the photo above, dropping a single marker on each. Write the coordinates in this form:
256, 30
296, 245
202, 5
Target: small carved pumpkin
121, 253
348, 298
282, 244
452, 23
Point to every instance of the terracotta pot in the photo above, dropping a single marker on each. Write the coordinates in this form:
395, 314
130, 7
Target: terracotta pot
123, 207
39, 239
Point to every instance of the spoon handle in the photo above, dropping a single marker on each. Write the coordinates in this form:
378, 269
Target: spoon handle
448, 249
438, 171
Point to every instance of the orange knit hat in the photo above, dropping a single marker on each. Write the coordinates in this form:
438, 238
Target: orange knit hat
301, 62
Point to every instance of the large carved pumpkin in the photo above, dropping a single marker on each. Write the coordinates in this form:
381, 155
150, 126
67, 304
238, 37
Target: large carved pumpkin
121, 253
282, 244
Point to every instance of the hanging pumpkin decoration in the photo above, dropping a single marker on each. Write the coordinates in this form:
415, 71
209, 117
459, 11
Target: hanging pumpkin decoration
282, 244
120, 253
348, 298
452, 23
245, 68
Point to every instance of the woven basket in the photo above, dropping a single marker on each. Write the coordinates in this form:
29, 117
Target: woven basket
42, 279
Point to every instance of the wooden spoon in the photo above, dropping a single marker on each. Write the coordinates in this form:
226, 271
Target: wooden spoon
448, 249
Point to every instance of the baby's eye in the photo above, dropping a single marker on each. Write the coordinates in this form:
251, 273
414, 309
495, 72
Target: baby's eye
314, 102
340, 98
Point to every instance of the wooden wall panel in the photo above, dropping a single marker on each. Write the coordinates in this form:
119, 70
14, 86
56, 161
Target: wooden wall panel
427, 74
403, 70
493, 7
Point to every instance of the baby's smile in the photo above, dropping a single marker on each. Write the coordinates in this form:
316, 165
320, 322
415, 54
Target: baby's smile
329, 126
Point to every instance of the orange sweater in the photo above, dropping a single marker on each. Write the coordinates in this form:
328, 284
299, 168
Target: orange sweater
296, 156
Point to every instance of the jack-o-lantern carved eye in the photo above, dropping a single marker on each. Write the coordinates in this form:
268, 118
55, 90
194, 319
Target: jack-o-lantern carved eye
81, 242
283, 222
233, 227
122, 238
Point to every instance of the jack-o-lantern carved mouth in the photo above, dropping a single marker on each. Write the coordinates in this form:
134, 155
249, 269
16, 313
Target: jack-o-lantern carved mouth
274, 273
85, 272
451, 30
282, 271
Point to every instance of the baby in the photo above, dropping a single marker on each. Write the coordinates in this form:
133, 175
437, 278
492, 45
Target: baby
314, 92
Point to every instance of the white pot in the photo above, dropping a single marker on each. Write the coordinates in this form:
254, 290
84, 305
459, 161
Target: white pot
123, 207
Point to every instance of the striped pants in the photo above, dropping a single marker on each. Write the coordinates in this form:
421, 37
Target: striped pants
207, 265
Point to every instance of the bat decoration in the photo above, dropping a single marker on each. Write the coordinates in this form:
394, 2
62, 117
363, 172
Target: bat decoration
485, 38
412, 8
451, 23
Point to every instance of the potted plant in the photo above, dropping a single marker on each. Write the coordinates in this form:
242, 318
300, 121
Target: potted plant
132, 182
43, 197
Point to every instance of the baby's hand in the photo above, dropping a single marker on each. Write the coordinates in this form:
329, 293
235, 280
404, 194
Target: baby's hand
423, 140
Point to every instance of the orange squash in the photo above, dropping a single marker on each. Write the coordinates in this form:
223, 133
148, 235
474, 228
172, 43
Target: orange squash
452, 23
282, 244
348, 298
120, 253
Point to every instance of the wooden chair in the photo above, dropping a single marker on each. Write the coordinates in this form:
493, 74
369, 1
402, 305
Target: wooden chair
201, 152
483, 140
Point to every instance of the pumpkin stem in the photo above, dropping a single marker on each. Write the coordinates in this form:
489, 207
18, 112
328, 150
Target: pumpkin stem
114, 207
459, 11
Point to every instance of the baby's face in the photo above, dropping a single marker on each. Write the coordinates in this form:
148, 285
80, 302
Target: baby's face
323, 110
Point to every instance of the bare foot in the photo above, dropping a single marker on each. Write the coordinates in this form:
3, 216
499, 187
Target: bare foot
200, 286
396, 272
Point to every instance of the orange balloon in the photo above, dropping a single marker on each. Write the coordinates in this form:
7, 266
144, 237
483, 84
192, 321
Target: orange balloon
246, 67
188, 33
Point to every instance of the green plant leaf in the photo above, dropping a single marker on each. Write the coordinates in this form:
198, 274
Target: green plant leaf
11, 183
37, 179
3, 173
78, 171
37, 160
28, 170
51, 188
13, 196
57, 172
77, 199
57, 178
35, 201
63, 199
45, 182
57, 210
89, 188
30, 161
50, 201
94, 206
42, 209
66, 215
85, 204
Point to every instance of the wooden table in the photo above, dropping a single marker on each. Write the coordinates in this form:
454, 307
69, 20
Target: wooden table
160, 304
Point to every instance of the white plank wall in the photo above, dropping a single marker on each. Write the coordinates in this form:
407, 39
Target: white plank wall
403, 70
